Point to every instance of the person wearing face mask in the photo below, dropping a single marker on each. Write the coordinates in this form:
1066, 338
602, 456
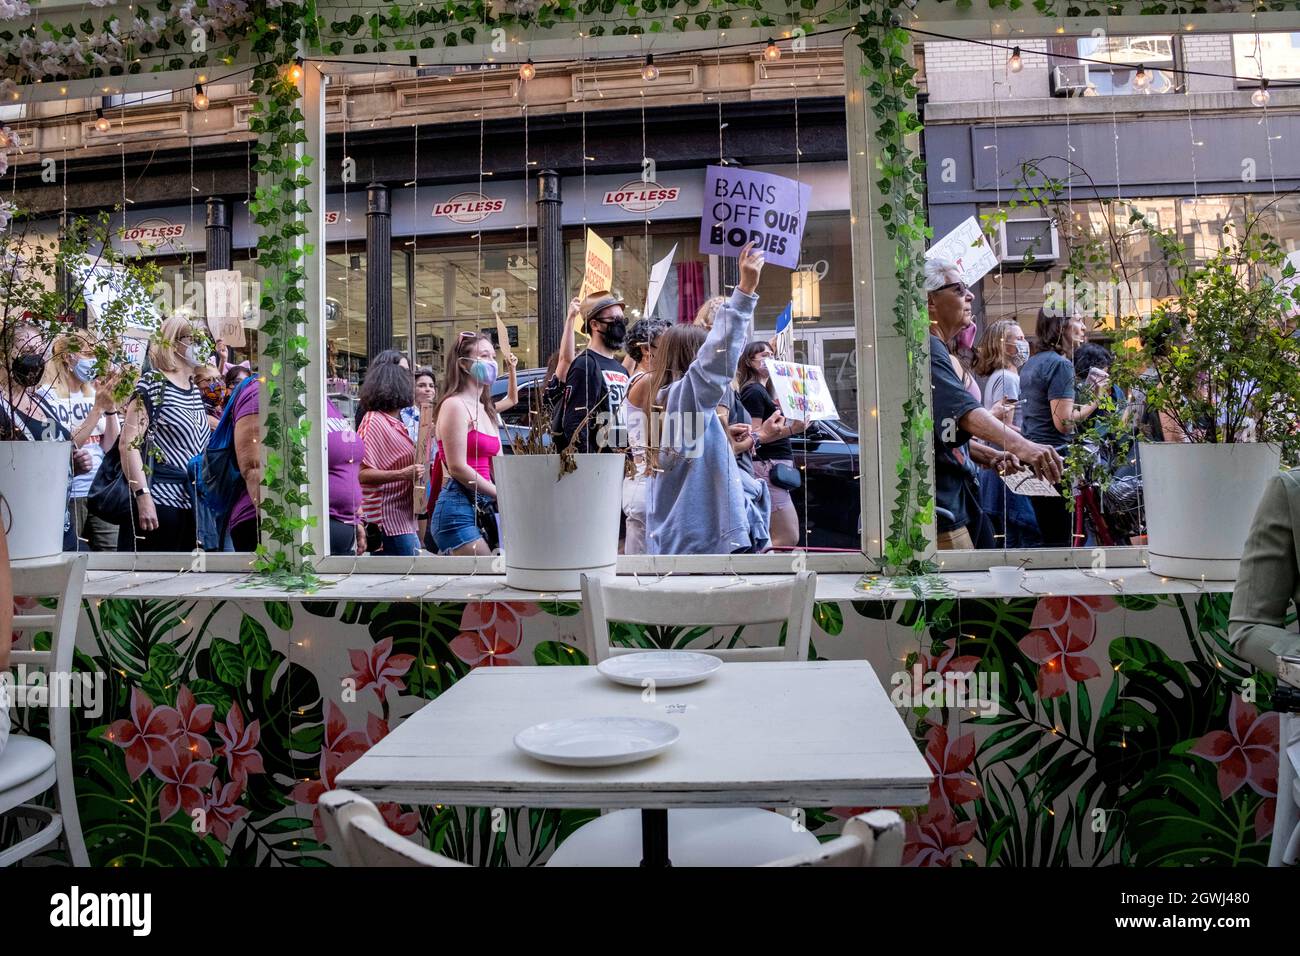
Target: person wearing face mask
388, 466
86, 409
165, 425
469, 437
1000, 353
590, 416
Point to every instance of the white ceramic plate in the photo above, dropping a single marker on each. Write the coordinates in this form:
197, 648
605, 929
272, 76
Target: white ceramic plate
596, 741
665, 668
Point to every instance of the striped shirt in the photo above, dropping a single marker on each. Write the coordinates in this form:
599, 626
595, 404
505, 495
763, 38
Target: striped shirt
390, 505
179, 430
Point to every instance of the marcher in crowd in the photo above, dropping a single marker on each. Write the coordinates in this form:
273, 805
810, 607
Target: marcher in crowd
212, 387
165, 426
700, 501
248, 453
388, 467
236, 374
1268, 580
88, 412
468, 439
426, 393
958, 417
999, 354
386, 357
1050, 412
591, 410
345, 448
755, 387
641, 341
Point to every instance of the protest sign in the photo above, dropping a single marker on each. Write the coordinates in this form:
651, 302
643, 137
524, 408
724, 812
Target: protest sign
655, 285
801, 391
598, 274
783, 341
968, 247
225, 305
742, 205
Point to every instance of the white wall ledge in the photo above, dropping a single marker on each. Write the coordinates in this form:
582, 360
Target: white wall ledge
492, 587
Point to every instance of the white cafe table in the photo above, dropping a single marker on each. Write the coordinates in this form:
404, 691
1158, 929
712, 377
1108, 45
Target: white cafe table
772, 734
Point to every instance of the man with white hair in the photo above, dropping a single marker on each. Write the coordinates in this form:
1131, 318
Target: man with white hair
959, 416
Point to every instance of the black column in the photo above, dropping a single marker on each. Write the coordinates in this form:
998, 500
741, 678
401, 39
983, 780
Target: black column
379, 271
551, 303
219, 255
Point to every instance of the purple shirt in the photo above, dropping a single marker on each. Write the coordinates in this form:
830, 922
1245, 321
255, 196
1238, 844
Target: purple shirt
345, 450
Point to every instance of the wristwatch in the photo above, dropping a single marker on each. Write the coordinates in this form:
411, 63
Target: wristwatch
141, 491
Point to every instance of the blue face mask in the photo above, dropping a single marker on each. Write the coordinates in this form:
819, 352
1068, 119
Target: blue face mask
484, 371
84, 370
1022, 352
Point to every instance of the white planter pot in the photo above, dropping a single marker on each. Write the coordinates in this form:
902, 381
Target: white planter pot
1200, 500
552, 532
34, 482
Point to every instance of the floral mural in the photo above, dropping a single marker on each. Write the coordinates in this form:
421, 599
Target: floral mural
1124, 731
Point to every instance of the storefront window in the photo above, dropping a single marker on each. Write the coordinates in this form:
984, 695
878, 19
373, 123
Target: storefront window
636, 251
345, 321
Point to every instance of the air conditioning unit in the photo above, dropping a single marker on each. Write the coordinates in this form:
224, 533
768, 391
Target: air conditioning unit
1035, 238
1070, 80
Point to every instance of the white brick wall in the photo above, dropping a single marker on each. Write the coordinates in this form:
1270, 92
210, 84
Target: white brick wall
1199, 48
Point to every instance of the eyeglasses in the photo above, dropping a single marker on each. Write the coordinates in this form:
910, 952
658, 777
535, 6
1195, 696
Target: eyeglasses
961, 287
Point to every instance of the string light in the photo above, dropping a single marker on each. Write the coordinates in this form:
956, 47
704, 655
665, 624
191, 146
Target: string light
1014, 63
1261, 96
527, 71
772, 52
649, 72
294, 73
200, 98
101, 121
1141, 79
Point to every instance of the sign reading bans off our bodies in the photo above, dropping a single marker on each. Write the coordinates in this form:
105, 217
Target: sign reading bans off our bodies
742, 206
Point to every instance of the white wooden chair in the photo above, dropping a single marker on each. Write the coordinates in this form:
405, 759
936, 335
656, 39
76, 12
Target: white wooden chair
29, 766
697, 837
875, 838
789, 600
357, 832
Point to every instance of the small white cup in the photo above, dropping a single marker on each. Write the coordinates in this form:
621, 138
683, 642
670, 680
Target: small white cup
1006, 577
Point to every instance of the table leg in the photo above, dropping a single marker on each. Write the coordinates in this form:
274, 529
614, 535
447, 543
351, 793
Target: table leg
654, 838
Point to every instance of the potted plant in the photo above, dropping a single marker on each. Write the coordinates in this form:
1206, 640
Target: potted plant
1219, 361
559, 508
46, 284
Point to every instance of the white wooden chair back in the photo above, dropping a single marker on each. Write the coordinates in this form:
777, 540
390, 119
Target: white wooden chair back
788, 600
61, 578
869, 839
358, 833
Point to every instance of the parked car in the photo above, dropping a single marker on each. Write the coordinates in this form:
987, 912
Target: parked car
826, 453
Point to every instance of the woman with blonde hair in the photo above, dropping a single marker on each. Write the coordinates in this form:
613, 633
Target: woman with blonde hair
469, 437
999, 355
85, 407
166, 425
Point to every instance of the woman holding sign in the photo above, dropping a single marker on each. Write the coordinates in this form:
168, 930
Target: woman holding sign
755, 385
700, 501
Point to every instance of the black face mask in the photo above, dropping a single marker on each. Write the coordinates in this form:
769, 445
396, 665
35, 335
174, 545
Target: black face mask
614, 333
28, 369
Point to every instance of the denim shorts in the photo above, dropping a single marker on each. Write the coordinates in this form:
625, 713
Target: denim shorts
453, 523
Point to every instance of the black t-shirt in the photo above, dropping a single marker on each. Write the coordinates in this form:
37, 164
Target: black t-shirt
951, 401
600, 383
762, 406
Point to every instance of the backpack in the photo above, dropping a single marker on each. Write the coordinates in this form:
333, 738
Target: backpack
214, 471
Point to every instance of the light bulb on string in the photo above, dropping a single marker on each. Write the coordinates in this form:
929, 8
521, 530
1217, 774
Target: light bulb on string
294, 73
200, 98
772, 52
1014, 63
1261, 96
1141, 79
649, 72
528, 70
101, 121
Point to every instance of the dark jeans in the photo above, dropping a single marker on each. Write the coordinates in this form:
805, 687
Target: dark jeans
175, 531
1055, 521
244, 535
343, 537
